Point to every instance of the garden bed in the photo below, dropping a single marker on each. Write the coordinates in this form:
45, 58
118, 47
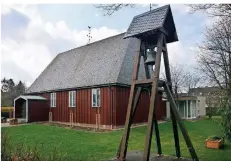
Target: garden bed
214, 142
13, 121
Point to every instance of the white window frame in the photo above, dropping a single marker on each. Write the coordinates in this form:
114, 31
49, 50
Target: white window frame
72, 99
53, 99
95, 92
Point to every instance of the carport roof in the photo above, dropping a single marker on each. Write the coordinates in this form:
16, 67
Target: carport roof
31, 97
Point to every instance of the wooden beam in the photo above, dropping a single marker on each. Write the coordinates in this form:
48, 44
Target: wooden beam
136, 100
130, 102
174, 124
150, 81
152, 100
145, 81
164, 49
164, 31
156, 130
160, 84
137, 62
181, 125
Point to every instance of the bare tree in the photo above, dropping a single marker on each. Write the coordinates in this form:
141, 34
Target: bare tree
215, 54
183, 78
215, 60
215, 10
178, 76
193, 79
109, 9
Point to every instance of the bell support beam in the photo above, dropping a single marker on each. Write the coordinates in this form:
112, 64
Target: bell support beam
181, 125
149, 81
160, 84
136, 100
156, 130
153, 97
174, 123
125, 137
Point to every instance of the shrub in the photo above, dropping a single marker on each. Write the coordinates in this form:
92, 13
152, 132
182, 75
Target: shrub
225, 110
5, 114
214, 138
5, 147
212, 111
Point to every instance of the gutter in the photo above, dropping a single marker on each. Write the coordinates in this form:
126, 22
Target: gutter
76, 88
111, 104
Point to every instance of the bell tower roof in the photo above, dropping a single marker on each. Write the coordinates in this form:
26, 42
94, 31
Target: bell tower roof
145, 25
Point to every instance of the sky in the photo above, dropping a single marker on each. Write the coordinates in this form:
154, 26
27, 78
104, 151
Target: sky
32, 35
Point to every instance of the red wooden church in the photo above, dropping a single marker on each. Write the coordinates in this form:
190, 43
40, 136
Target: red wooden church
88, 86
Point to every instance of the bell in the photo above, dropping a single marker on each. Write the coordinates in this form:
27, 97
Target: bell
151, 54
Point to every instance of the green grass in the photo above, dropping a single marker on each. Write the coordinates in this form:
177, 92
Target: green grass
81, 145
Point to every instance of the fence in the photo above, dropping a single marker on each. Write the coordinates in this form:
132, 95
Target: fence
7, 112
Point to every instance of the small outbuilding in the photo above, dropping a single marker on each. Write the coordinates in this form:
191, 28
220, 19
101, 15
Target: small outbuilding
30, 108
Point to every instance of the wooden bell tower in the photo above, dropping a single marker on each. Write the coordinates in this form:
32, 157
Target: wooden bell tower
153, 29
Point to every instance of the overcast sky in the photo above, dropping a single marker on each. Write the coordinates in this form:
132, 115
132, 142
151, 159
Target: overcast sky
32, 35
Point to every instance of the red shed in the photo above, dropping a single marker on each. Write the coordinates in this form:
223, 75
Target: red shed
31, 108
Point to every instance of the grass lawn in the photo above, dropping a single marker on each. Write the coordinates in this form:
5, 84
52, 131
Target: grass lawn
81, 145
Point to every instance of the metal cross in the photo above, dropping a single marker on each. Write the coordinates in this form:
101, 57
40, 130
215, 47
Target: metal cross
89, 34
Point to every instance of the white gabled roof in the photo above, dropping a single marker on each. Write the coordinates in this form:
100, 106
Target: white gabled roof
30, 97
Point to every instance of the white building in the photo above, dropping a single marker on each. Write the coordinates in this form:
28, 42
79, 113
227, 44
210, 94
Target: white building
193, 104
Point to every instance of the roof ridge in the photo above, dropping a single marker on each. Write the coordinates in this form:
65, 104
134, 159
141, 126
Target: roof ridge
154, 10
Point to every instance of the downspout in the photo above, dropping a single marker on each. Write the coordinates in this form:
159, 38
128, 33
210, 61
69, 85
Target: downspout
111, 105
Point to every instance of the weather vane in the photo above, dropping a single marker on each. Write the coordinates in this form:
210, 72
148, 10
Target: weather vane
89, 34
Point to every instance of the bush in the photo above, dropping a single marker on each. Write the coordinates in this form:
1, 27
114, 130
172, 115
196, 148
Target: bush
214, 138
212, 111
5, 114
5, 147
225, 110
18, 152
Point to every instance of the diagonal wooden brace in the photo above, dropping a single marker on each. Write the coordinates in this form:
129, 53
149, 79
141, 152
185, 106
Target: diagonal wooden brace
153, 98
174, 123
180, 123
125, 137
136, 100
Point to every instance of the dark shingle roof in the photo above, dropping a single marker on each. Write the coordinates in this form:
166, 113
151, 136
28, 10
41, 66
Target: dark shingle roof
103, 62
151, 21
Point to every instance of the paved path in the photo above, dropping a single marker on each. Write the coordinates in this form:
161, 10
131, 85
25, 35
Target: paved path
8, 125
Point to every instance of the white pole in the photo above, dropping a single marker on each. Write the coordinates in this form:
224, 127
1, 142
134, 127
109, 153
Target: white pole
191, 108
26, 110
187, 109
184, 110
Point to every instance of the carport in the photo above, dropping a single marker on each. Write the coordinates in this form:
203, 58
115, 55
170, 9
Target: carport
30, 108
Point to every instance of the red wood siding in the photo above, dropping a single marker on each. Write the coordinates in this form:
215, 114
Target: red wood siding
86, 114
122, 97
83, 112
38, 111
